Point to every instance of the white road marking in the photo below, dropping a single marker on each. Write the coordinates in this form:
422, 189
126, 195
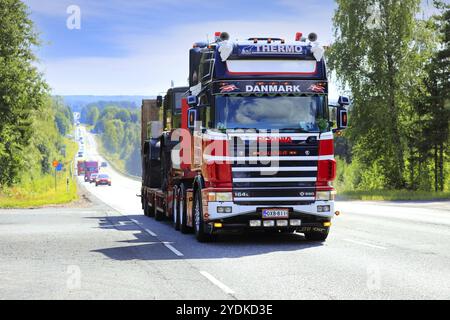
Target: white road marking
365, 244
216, 282
171, 248
151, 232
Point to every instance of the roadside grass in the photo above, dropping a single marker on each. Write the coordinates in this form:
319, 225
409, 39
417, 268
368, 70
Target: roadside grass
393, 195
40, 191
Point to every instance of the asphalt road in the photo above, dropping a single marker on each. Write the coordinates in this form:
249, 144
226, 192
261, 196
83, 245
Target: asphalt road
109, 250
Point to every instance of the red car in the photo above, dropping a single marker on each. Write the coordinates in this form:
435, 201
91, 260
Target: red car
103, 179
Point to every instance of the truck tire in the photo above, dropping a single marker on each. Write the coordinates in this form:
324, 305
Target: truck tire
145, 207
159, 216
150, 210
317, 236
176, 208
183, 210
199, 225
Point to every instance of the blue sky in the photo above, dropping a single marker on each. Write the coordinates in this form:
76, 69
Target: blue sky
136, 47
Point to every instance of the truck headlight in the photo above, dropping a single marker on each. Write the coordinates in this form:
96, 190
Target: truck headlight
220, 197
325, 195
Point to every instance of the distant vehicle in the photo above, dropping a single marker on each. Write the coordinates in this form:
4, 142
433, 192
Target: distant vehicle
103, 179
81, 168
91, 168
104, 165
93, 177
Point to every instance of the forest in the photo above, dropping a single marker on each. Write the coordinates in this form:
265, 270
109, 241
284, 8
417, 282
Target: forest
395, 64
119, 132
34, 127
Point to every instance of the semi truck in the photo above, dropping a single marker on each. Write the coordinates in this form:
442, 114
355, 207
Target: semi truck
248, 145
81, 167
90, 168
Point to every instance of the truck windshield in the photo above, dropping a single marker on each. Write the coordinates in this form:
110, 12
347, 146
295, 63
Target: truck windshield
284, 113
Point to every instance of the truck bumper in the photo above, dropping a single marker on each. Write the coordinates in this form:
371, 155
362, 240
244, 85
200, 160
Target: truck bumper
302, 218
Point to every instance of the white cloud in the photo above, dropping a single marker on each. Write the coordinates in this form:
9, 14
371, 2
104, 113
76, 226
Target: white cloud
152, 60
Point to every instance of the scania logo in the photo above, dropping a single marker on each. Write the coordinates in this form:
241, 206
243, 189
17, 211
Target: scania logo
307, 152
275, 139
302, 194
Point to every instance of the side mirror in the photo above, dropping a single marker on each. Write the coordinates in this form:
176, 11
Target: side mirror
192, 101
192, 118
159, 101
343, 101
342, 118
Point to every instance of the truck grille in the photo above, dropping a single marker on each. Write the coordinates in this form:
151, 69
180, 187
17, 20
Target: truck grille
289, 180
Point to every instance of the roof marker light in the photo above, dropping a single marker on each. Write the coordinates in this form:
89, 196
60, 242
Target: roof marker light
298, 36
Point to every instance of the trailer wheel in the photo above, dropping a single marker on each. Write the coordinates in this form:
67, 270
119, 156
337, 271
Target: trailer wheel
146, 208
317, 236
199, 223
159, 216
183, 211
176, 208
150, 209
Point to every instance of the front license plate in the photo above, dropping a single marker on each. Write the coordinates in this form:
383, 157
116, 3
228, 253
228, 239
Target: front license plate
275, 213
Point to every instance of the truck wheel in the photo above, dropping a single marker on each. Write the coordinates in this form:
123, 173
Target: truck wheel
159, 216
150, 210
183, 211
176, 208
199, 224
317, 236
145, 207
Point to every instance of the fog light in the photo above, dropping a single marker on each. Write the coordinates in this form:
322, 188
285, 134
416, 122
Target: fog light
282, 223
296, 222
269, 223
323, 208
255, 223
224, 210
218, 225
327, 224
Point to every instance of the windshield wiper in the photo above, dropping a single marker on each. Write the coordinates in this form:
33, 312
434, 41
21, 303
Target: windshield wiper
299, 130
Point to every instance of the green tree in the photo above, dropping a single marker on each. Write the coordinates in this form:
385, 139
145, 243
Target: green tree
372, 56
437, 103
93, 115
123, 115
22, 88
